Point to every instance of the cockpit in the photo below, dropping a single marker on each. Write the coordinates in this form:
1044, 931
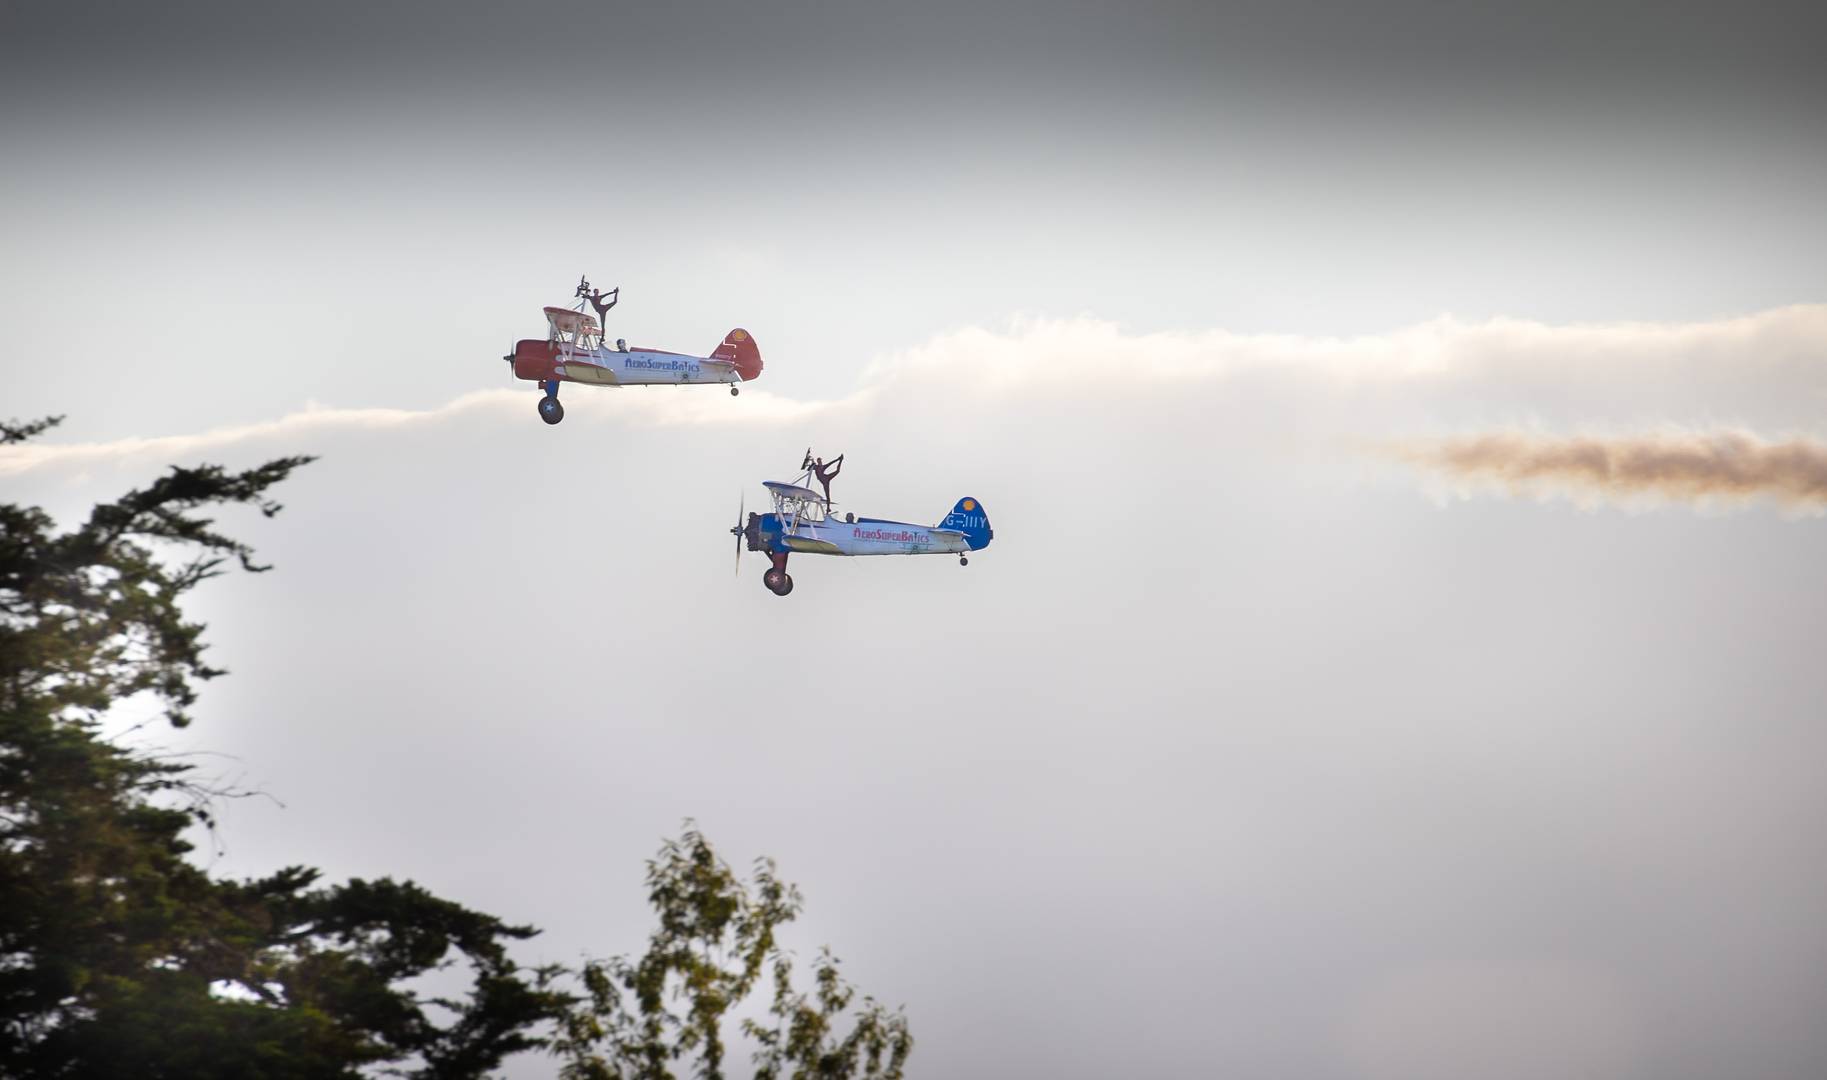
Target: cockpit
797, 503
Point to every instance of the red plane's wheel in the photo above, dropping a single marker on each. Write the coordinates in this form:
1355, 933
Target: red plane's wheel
734, 391
772, 579
550, 410
786, 585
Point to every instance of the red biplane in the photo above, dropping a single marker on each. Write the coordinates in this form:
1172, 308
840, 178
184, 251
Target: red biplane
575, 350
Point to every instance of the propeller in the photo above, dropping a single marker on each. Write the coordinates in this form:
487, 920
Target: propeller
741, 520
510, 362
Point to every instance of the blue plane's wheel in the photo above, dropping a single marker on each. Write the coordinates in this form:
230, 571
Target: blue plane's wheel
771, 580
550, 410
963, 560
734, 390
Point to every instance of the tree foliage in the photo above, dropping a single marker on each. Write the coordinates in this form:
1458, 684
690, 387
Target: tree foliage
715, 942
118, 956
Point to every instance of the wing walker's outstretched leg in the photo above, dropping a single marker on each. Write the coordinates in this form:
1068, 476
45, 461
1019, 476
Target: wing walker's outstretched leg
826, 471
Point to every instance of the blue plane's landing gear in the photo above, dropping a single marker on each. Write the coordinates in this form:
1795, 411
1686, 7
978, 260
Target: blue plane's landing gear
777, 580
549, 409
964, 560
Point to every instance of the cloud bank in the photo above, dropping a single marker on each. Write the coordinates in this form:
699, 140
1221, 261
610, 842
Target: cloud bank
1721, 381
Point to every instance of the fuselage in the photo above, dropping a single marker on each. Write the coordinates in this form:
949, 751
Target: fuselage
864, 536
542, 361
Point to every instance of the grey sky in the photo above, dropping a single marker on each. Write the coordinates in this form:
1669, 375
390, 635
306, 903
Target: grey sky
1240, 751
845, 182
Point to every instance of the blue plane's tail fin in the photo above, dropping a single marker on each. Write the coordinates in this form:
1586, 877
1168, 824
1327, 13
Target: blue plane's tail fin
968, 518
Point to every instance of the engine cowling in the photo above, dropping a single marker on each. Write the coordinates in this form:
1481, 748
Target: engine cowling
535, 359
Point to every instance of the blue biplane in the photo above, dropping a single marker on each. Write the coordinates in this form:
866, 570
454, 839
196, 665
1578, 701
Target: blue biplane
803, 521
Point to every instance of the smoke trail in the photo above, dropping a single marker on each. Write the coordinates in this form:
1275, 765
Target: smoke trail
298, 429
1697, 467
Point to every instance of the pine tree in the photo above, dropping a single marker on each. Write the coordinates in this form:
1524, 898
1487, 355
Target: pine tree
118, 956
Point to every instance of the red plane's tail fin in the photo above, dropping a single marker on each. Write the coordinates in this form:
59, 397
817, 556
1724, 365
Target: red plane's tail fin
740, 348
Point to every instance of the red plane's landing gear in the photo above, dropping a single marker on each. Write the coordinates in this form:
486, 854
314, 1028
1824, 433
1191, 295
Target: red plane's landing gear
734, 390
549, 409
